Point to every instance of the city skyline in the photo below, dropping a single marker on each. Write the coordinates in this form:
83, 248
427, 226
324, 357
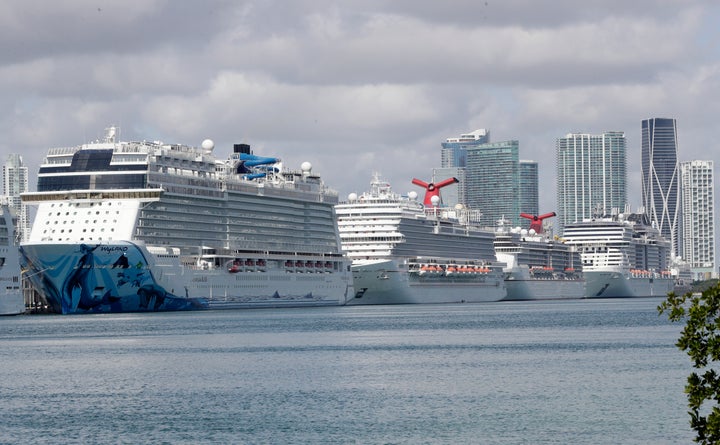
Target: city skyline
371, 85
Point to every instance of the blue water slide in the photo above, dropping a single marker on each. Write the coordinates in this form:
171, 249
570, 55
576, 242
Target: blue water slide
254, 176
253, 160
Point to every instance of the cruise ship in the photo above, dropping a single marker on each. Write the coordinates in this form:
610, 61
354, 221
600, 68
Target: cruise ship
151, 226
622, 256
406, 251
538, 265
11, 297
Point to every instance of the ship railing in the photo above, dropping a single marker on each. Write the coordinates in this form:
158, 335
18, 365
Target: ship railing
58, 151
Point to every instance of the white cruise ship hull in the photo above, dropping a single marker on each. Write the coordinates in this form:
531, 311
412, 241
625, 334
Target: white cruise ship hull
384, 282
522, 286
12, 303
123, 276
613, 283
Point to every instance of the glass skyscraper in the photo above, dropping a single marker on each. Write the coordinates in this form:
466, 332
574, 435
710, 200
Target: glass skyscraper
591, 175
529, 199
454, 150
661, 177
698, 218
493, 181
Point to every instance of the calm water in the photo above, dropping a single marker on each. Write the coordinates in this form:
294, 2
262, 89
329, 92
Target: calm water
572, 372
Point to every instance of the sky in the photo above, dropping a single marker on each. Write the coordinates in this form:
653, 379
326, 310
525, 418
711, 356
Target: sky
357, 87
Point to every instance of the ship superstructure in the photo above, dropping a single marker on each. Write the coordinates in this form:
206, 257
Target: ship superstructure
538, 266
622, 256
404, 251
11, 297
134, 226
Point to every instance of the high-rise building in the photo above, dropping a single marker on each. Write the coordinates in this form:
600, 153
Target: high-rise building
15, 181
454, 150
493, 181
591, 175
529, 196
698, 218
661, 177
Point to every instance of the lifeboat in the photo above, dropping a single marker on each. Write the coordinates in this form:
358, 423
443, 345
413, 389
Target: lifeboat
235, 268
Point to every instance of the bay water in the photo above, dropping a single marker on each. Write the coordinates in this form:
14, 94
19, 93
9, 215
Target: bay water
544, 372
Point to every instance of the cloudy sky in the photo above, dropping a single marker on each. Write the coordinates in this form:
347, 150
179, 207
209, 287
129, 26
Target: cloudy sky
359, 86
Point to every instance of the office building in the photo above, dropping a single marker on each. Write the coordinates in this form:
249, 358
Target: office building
454, 150
15, 181
493, 181
529, 180
660, 177
591, 175
698, 218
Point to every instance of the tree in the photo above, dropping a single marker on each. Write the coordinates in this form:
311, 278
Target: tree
701, 340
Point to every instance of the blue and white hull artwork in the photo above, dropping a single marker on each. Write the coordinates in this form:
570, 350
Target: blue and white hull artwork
102, 277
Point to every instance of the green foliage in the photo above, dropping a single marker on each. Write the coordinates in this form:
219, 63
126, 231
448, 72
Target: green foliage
701, 340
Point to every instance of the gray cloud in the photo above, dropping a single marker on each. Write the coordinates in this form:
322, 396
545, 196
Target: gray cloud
357, 87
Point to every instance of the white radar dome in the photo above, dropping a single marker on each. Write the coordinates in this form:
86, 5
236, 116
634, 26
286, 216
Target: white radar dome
412, 195
352, 197
208, 145
531, 231
523, 232
435, 200
306, 167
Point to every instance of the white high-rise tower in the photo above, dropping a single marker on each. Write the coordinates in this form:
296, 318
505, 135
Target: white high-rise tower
15, 181
698, 217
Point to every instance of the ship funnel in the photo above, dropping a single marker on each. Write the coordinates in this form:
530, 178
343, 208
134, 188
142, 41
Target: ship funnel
433, 189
